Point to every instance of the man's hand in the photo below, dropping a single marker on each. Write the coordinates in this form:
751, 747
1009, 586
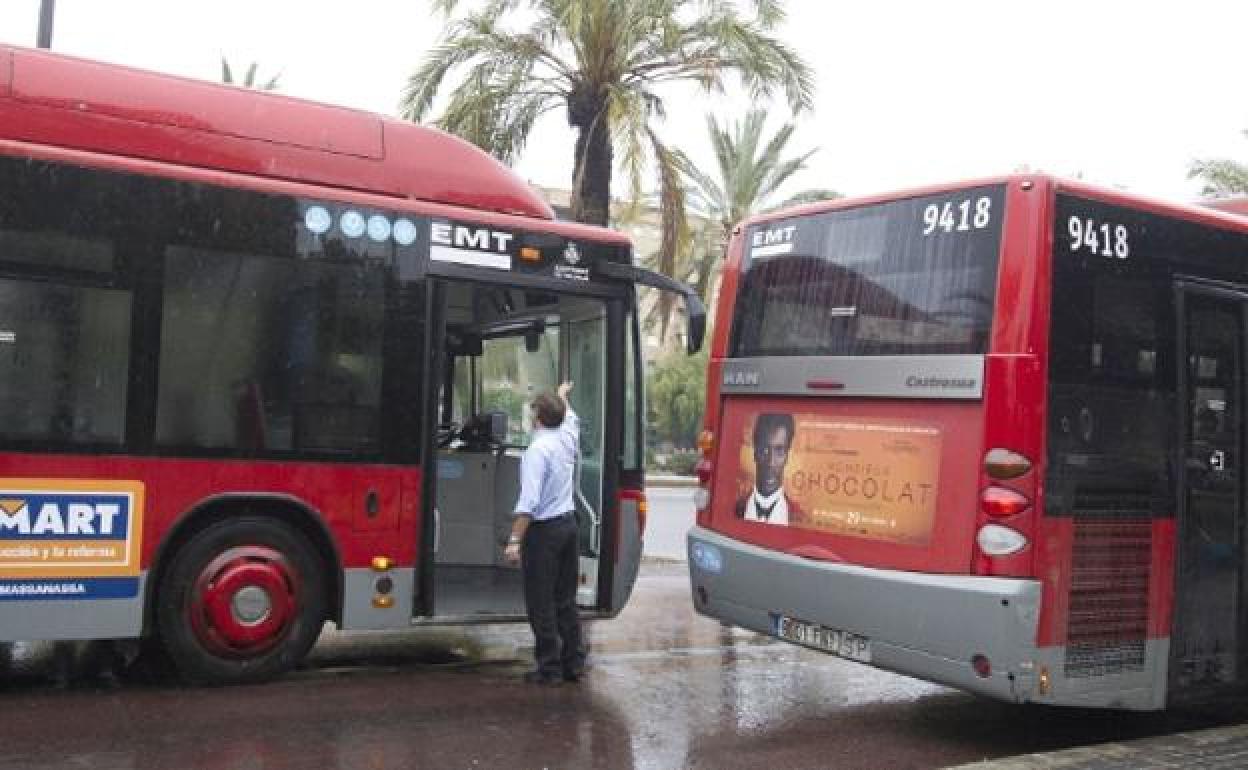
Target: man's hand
564, 390
511, 554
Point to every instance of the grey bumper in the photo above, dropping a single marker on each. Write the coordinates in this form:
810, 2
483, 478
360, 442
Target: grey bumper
927, 626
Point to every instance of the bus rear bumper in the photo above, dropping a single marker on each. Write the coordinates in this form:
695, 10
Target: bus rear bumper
927, 626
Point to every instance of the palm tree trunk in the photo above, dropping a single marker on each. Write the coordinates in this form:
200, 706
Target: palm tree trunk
591, 169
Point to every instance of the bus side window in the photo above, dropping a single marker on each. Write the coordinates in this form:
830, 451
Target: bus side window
64, 362
264, 353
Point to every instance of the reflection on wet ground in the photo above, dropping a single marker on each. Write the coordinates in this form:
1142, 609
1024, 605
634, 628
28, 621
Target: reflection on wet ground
668, 689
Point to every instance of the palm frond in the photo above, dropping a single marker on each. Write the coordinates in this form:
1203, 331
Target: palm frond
1222, 178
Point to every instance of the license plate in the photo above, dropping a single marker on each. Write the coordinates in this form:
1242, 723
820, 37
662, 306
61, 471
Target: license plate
832, 640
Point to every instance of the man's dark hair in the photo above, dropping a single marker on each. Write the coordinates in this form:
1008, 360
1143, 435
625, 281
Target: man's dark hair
550, 409
769, 421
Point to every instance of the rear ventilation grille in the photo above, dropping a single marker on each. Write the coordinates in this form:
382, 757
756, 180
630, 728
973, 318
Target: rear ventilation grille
1108, 598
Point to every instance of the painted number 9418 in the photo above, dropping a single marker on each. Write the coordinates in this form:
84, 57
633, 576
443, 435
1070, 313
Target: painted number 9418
1104, 239
957, 216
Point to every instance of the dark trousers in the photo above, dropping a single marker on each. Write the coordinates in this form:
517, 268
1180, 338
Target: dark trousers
550, 564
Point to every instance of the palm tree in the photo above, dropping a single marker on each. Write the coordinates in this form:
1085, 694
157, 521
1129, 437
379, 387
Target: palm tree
603, 61
249, 79
1223, 178
749, 172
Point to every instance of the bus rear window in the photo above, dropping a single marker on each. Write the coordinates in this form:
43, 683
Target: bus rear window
914, 276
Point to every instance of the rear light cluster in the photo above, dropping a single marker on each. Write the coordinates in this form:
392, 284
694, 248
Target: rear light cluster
1001, 503
704, 471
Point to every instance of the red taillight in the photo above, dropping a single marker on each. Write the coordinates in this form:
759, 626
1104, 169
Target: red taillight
1000, 501
703, 471
1005, 464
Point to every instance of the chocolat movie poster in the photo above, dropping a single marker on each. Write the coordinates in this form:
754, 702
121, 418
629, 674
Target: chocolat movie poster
867, 478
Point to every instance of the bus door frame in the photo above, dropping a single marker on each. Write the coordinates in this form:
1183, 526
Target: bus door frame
1188, 288
614, 297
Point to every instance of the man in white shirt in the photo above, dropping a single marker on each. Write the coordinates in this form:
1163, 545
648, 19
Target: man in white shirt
545, 539
773, 437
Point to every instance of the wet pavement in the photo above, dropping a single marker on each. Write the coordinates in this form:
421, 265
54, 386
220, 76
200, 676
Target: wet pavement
668, 689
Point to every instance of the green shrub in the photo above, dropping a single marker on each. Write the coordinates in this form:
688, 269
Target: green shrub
676, 399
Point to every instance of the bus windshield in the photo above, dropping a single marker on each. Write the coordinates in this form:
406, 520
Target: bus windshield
913, 276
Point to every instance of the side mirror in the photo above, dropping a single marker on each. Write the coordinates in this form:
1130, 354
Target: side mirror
695, 311
694, 308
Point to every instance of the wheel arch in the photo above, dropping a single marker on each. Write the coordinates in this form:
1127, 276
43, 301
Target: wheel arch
288, 509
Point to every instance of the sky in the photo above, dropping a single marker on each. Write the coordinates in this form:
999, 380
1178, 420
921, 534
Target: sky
1120, 93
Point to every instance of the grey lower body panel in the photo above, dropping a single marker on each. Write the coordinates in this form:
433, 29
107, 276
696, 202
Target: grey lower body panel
1135, 687
51, 619
359, 588
927, 626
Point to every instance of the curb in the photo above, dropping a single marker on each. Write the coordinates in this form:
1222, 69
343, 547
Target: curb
670, 482
1215, 747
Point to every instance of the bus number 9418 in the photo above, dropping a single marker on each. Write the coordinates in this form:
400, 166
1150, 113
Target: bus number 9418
957, 216
1100, 238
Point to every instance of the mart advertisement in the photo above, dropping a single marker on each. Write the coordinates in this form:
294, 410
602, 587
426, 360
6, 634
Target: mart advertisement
870, 478
69, 538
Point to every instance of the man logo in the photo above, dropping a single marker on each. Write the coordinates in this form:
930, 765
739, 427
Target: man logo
571, 254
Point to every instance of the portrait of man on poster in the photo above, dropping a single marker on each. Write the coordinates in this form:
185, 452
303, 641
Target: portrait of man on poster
767, 501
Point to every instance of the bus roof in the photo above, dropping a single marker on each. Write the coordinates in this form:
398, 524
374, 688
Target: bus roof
1230, 212
58, 100
1237, 205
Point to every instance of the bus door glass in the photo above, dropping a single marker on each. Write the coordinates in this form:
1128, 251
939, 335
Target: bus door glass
586, 368
1208, 594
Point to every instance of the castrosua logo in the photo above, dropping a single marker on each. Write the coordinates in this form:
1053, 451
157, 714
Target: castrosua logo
960, 383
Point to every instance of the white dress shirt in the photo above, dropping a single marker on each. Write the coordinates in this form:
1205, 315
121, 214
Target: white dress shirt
547, 470
775, 502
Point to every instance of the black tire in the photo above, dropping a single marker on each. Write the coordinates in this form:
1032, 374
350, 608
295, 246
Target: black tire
205, 651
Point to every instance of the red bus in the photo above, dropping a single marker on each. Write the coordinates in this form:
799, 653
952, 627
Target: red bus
264, 363
989, 435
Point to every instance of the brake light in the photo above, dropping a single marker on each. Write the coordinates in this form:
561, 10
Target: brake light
1005, 464
1001, 501
705, 471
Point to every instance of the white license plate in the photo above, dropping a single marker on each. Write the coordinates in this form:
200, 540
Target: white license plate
832, 640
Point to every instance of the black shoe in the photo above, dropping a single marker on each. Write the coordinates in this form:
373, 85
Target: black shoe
573, 674
542, 679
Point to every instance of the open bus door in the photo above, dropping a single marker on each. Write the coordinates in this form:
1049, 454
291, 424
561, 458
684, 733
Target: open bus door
631, 506
492, 348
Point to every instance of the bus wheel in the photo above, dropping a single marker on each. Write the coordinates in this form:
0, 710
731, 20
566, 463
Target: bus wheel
243, 601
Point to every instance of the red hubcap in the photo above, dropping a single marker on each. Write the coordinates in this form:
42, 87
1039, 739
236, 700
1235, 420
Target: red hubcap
244, 601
